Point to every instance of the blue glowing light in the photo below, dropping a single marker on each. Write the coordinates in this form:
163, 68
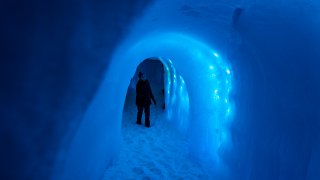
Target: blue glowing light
207, 74
181, 79
177, 98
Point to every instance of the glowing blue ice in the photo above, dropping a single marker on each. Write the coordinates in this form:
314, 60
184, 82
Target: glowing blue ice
197, 98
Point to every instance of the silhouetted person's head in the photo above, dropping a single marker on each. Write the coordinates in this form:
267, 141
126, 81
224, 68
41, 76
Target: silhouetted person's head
141, 76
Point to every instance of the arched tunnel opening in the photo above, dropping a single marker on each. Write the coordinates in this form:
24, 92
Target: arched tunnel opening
204, 115
249, 71
153, 70
159, 151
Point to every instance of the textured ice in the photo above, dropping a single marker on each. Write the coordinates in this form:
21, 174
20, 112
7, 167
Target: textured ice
158, 152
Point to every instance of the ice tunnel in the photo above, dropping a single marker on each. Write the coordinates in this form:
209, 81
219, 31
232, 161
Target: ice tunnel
242, 84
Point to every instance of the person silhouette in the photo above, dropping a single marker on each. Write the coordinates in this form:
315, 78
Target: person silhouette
143, 99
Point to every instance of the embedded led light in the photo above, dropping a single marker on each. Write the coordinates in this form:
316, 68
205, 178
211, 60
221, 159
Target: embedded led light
182, 81
216, 97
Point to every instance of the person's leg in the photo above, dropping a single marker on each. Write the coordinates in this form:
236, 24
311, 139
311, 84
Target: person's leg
139, 115
147, 115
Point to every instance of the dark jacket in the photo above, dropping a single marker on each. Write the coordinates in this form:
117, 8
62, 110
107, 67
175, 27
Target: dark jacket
144, 93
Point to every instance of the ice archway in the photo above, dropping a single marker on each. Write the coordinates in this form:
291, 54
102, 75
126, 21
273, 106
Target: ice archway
206, 75
187, 61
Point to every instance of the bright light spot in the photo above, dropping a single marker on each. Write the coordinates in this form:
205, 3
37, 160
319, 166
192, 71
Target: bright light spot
228, 111
182, 81
216, 55
211, 67
216, 97
226, 100
228, 71
216, 91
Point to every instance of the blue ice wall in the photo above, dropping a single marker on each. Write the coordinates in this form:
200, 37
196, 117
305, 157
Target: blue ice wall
53, 55
57, 59
283, 91
273, 50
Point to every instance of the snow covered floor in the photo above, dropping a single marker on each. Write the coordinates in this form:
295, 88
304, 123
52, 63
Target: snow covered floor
158, 152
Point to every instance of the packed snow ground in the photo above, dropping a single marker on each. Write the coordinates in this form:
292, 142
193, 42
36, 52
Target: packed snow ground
158, 152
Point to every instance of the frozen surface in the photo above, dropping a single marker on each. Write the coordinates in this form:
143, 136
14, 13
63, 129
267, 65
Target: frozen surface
158, 152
